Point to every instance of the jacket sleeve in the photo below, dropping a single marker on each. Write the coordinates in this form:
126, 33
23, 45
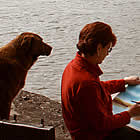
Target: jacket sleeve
114, 86
94, 112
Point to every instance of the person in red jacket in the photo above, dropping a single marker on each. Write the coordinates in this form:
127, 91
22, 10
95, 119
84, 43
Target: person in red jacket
86, 101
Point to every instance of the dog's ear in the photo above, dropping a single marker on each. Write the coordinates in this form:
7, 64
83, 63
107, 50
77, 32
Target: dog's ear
26, 43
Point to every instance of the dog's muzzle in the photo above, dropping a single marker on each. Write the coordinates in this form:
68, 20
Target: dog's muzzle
47, 50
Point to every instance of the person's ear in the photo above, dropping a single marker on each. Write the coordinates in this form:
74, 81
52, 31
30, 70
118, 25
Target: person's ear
99, 48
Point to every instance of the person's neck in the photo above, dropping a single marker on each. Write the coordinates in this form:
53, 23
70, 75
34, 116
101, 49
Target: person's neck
91, 59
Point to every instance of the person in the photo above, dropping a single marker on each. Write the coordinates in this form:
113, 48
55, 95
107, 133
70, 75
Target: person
86, 100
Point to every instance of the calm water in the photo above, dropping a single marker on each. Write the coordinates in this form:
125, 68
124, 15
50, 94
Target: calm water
59, 23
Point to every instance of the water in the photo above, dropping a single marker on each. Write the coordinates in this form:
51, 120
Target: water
59, 23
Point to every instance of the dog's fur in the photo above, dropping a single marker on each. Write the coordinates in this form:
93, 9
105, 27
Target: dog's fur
16, 58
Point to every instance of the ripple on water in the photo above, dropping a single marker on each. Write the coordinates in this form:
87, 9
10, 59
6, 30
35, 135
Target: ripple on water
59, 22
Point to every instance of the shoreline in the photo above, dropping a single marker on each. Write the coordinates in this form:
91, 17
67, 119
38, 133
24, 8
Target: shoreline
30, 108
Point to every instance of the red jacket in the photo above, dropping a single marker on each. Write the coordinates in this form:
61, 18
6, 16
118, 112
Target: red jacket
87, 103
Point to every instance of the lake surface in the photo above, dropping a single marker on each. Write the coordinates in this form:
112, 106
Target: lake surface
59, 23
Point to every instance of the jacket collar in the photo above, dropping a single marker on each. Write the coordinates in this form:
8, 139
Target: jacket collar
81, 62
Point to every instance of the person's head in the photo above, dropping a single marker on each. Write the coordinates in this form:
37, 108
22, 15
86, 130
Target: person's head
96, 39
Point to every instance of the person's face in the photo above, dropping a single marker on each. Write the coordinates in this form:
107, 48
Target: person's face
102, 52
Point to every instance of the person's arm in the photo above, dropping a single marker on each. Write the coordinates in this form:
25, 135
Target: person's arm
114, 86
93, 110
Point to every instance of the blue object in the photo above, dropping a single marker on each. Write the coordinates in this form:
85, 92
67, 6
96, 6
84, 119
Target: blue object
132, 93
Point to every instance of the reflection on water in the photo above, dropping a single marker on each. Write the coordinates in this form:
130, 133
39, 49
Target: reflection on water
59, 23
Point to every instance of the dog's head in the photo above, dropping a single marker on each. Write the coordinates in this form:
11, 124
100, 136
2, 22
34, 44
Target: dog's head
32, 44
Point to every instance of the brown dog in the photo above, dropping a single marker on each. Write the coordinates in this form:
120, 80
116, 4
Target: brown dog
16, 58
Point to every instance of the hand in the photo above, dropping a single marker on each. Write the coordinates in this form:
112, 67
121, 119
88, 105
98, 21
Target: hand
132, 80
134, 111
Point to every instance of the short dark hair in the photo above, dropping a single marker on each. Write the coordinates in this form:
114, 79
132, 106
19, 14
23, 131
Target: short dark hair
93, 34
